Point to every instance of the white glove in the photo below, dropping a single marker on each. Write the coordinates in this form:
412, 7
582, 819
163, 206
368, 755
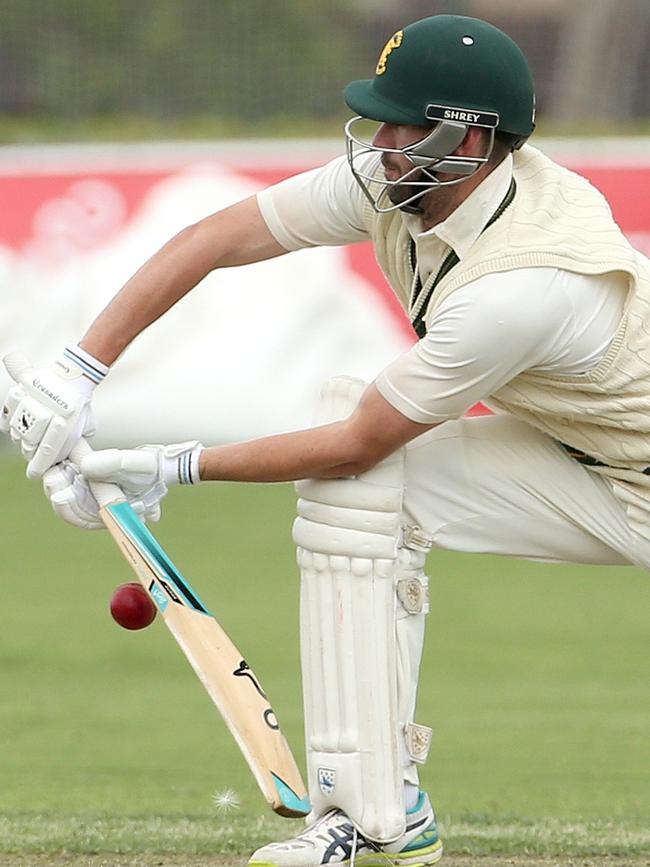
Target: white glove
144, 475
147, 468
71, 498
48, 410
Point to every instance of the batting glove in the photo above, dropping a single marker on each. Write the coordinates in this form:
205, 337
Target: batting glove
48, 410
72, 499
149, 469
144, 475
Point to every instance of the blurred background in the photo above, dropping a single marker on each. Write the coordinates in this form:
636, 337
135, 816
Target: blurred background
121, 123
239, 67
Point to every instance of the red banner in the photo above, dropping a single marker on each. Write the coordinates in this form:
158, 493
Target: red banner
70, 236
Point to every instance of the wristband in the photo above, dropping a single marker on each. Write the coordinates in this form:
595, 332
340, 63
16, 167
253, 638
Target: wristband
91, 368
180, 463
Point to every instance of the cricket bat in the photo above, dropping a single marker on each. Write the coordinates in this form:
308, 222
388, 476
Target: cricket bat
221, 668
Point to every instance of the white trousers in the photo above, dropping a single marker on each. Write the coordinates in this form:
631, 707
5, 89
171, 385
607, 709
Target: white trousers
495, 485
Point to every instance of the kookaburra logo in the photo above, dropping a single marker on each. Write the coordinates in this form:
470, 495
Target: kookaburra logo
393, 43
244, 670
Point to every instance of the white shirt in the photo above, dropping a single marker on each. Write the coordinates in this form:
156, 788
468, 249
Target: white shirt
487, 331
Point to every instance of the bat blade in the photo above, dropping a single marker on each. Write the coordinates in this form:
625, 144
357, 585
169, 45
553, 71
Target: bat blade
230, 682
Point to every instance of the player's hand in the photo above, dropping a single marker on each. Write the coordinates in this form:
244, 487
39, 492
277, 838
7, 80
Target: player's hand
48, 409
146, 471
72, 498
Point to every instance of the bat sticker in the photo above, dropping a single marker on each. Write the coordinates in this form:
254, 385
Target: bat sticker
244, 670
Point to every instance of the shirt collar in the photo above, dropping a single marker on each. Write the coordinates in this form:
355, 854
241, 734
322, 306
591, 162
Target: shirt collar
462, 227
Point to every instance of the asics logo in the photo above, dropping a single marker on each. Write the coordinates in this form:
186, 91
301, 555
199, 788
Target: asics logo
344, 838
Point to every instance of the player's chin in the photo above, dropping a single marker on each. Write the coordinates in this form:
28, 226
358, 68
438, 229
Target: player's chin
400, 193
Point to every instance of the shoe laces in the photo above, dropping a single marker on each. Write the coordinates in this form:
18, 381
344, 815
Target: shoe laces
357, 840
376, 847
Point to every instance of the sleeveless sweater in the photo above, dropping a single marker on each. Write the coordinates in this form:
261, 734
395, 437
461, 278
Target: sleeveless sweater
558, 220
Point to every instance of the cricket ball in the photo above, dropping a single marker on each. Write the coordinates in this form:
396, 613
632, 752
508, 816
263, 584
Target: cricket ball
131, 606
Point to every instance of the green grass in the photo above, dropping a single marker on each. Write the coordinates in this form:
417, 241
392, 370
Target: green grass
535, 679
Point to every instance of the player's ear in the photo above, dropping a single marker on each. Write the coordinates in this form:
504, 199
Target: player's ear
474, 141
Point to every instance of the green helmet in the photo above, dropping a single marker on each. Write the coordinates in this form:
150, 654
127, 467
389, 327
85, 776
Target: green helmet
443, 74
453, 62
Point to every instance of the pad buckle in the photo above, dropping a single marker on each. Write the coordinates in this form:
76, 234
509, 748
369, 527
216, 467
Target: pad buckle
416, 539
413, 594
418, 742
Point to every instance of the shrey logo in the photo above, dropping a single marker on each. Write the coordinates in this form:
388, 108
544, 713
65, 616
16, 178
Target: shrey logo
327, 780
393, 43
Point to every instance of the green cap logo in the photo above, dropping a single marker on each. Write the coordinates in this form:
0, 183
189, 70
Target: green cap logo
393, 43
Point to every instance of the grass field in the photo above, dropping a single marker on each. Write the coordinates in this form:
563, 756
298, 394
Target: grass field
536, 680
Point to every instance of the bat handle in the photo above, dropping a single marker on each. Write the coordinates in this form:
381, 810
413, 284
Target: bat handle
104, 492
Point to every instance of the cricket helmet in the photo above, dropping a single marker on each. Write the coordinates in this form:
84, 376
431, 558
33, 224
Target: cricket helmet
445, 73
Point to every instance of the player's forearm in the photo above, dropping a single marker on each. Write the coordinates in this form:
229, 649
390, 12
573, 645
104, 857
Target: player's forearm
344, 448
323, 452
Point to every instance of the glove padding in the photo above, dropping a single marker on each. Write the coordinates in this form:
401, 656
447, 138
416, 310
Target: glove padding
72, 499
48, 410
149, 467
144, 475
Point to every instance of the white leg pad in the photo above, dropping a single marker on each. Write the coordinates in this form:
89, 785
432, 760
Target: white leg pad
347, 532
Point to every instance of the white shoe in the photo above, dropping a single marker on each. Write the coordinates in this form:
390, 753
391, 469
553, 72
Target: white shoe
333, 839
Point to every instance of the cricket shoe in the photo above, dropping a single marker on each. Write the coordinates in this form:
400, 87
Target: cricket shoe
333, 839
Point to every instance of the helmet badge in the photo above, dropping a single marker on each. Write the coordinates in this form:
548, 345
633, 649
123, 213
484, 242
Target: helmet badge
394, 42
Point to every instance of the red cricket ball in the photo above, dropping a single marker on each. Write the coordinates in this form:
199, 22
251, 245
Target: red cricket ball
131, 606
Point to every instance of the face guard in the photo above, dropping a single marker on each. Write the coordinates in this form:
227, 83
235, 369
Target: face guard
429, 157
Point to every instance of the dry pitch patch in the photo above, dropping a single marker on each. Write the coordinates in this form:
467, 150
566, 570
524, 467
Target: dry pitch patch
225, 861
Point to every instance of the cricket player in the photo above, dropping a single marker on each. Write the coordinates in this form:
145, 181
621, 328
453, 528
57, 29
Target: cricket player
524, 294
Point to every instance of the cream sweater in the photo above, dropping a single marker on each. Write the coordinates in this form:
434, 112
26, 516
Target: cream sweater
557, 220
